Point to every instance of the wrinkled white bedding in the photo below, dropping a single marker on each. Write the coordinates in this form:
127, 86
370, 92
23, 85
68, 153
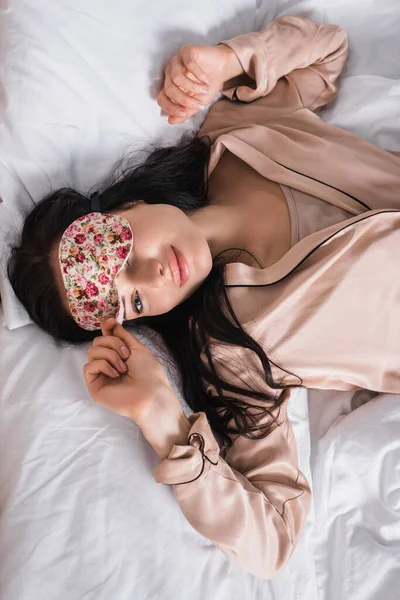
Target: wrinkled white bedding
80, 514
82, 517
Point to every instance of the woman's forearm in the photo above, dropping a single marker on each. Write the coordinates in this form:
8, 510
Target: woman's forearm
313, 53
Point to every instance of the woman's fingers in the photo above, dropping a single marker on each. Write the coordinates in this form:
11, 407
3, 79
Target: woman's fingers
173, 93
176, 120
94, 368
107, 326
177, 114
111, 329
169, 106
108, 354
172, 120
180, 89
113, 342
189, 59
130, 341
178, 75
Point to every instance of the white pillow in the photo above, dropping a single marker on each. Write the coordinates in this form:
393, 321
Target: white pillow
81, 87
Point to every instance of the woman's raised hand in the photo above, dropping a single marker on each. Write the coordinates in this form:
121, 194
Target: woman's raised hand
193, 79
123, 375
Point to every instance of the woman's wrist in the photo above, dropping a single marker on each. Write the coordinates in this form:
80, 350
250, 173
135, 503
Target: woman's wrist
168, 425
166, 435
233, 68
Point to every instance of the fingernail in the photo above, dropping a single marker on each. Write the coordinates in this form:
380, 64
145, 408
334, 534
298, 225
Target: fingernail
114, 372
124, 351
180, 113
204, 90
122, 365
199, 105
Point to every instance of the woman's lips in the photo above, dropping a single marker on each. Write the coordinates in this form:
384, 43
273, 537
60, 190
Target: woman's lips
179, 267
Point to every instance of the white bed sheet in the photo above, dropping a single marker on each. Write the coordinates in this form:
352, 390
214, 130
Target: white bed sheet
356, 489
81, 516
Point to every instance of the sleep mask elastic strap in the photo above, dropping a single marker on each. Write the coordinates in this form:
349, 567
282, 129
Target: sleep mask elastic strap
95, 201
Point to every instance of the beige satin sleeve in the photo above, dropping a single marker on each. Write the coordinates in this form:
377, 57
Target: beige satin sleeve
312, 53
251, 503
296, 59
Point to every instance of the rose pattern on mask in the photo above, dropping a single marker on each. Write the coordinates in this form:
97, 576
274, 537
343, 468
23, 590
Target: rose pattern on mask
93, 250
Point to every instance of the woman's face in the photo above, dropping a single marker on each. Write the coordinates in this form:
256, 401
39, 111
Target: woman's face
169, 260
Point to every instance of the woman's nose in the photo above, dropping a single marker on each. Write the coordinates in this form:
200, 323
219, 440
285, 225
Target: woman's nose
149, 273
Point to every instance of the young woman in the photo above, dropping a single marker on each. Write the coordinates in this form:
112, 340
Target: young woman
264, 252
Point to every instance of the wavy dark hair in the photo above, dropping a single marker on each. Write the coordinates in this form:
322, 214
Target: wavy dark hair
174, 175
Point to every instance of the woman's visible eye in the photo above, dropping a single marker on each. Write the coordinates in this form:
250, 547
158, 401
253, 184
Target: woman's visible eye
137, 304
136, 301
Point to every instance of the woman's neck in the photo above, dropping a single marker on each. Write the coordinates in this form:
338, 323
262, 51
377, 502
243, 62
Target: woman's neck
245, 211
226, 231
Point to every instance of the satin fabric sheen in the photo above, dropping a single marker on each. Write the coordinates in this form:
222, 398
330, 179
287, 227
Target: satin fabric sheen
327, 310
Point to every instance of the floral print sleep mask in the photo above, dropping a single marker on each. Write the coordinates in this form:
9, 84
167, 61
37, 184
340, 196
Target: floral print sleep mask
93, 250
